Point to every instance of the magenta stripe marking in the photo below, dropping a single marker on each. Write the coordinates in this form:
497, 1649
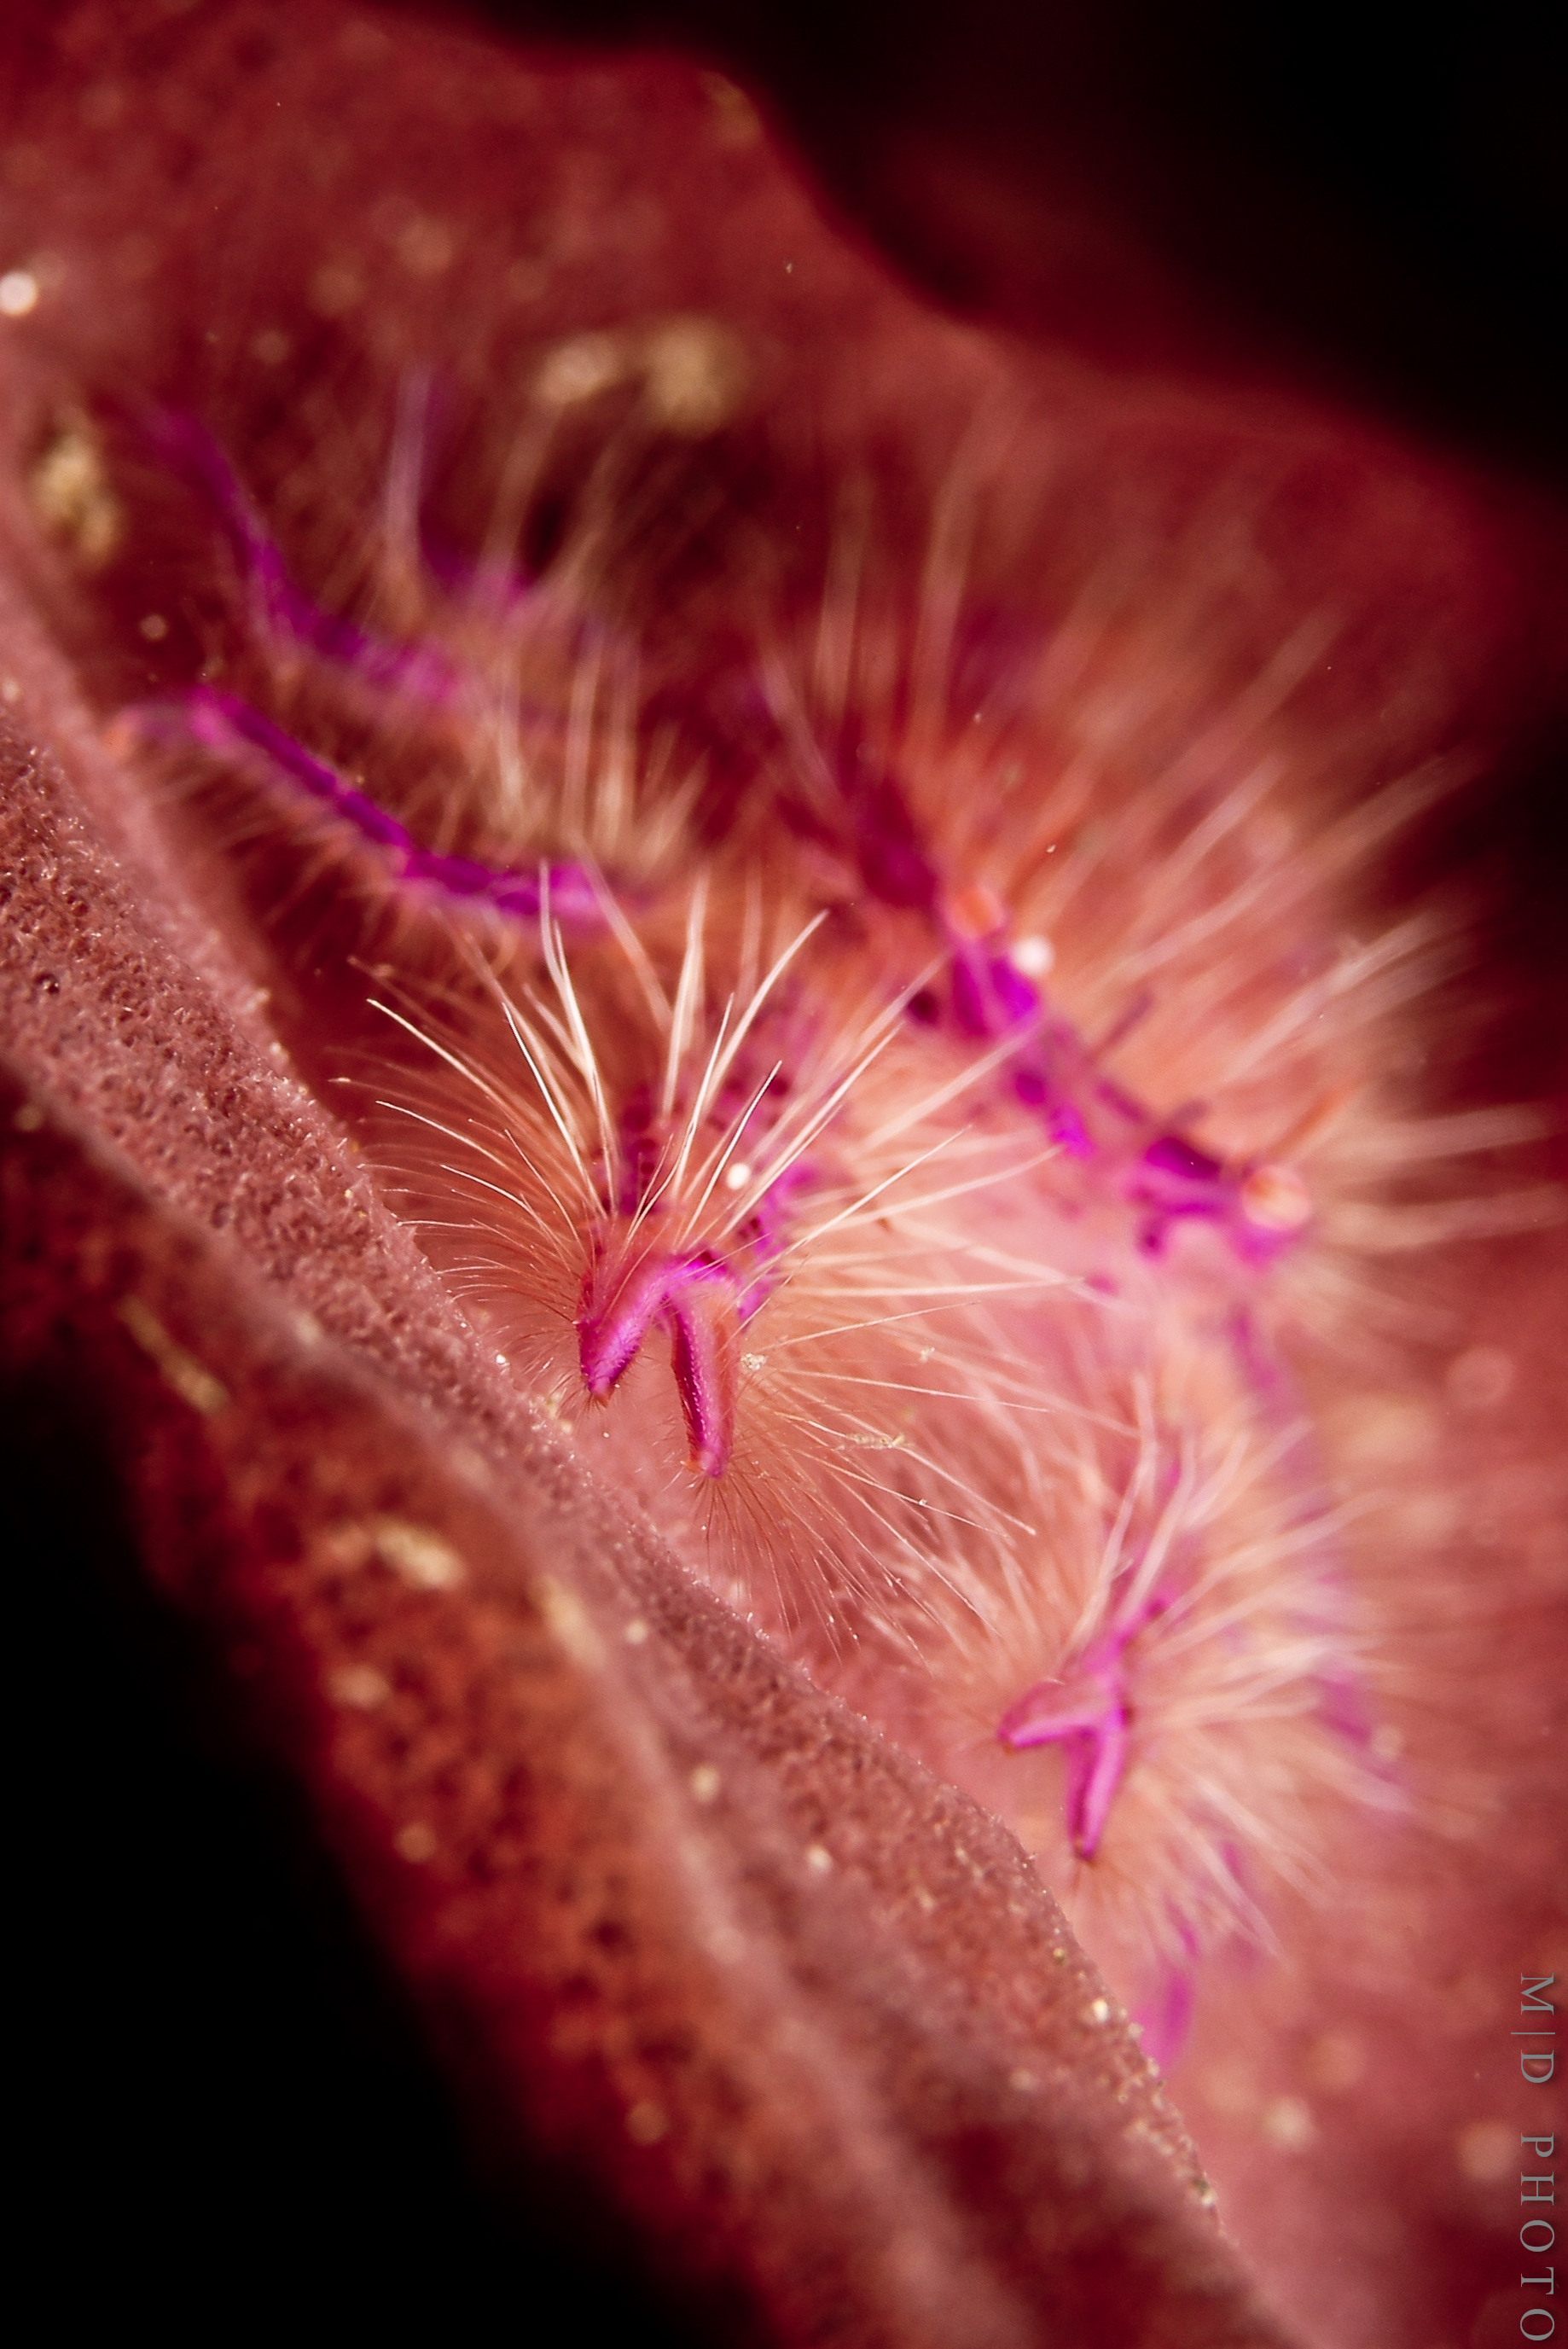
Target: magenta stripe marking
222, 722
416, 669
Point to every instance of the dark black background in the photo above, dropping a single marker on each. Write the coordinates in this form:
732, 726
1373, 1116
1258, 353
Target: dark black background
1373, 198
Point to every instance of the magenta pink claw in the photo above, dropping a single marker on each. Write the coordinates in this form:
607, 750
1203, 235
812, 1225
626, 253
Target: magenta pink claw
611, 1330
704, 1325
1088, 1713
697, 1302
223, 723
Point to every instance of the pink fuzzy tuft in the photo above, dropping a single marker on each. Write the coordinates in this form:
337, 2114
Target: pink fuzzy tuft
919, 1093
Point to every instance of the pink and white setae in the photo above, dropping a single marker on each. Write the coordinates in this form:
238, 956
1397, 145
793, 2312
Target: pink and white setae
915, 1103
